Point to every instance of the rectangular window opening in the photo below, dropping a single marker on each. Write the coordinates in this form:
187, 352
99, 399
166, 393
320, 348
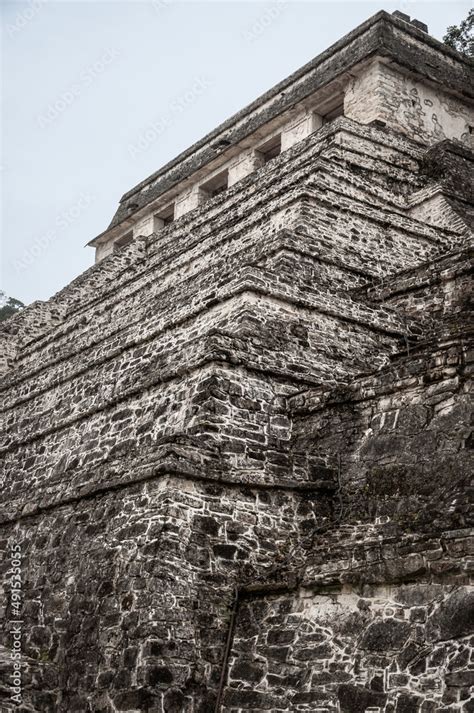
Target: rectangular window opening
215, 185
165, 216
123, 241
270, 149
333, 113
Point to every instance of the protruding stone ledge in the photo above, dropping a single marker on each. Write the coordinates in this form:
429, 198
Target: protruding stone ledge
167, 462
392, 38
407, 371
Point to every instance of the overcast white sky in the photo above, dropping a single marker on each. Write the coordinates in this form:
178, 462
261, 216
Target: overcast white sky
83, 83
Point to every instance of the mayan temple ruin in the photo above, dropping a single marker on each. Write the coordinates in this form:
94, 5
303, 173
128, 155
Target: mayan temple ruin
236, 449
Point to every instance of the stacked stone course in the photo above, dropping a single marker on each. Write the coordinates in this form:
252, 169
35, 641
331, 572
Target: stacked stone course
236, 453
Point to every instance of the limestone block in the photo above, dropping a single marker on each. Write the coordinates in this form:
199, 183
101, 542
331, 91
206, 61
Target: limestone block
104, 249
148, 225
244, 164
382, 93
189, 200
8, 349
299, 128
435, 209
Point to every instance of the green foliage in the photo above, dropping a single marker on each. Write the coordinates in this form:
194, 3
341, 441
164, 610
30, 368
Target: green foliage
9, 306
461, 38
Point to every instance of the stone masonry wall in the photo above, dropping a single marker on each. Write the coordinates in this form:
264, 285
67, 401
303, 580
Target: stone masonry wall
236, 453
398, 647
379, 617
382, 93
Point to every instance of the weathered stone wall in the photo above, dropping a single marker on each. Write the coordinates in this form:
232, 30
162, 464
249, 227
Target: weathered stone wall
380, 616
361, 162
398, 647
130, 599
248, 424
313, 93
382, 93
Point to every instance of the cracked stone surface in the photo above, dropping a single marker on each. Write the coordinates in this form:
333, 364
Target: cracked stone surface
237, 452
